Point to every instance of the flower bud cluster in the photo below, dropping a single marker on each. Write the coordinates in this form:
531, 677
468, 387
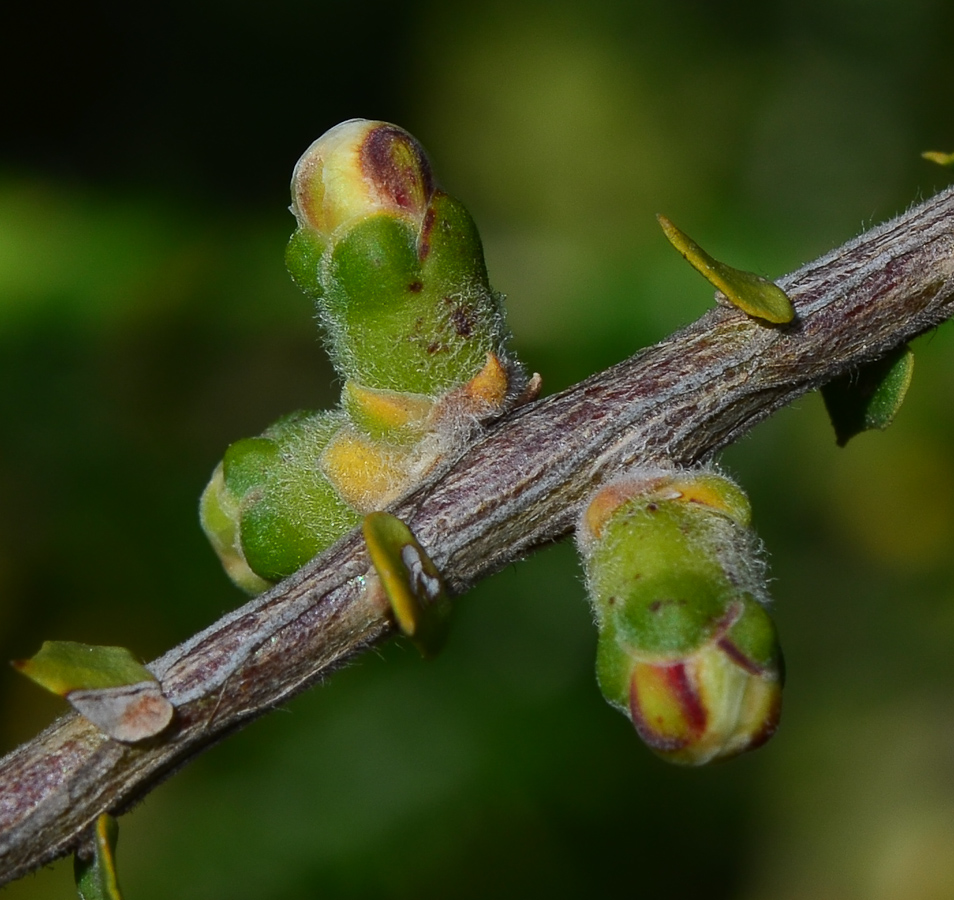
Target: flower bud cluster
395, 266
396, 269
686, 647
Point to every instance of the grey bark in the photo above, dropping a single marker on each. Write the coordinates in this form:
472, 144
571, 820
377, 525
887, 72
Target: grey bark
519, 486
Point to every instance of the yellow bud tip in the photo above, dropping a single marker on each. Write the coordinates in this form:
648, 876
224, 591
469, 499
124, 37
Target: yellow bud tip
704, 489
715, 492
359, 168
489, 386
480, 397
366, 474
601, 508
387, 409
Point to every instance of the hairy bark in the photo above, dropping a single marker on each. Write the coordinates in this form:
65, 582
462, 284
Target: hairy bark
519, 486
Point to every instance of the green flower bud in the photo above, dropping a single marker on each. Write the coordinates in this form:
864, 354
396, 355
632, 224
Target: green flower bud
269, 507
397, 271
686, 648
396, 265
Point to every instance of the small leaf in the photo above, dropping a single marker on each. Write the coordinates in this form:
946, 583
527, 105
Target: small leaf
410, 580
870, 397
96, 876
107, 685
753, 294
64, 666
942, 159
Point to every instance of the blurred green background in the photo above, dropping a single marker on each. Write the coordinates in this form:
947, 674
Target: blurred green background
146, 321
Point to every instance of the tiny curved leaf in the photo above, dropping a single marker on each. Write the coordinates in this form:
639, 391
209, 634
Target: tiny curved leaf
96, 875
754, 295
870, 397
942, 159
411, 581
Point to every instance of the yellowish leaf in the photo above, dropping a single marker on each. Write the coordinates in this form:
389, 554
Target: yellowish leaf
753, 294
107, 685
942, 159
410, 580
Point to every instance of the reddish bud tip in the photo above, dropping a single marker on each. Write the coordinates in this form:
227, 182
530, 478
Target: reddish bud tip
359, 168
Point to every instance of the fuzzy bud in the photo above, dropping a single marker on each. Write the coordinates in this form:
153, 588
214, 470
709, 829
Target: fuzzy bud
269, 508
395, 265
416, 335
686, 648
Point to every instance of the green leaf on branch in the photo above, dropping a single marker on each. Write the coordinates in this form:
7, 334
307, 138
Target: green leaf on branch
754, 295
96, 875
65, 666
107, 685
410, 580
870, 397
942, 159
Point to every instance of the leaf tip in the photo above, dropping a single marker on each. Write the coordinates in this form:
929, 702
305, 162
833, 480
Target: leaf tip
942, 159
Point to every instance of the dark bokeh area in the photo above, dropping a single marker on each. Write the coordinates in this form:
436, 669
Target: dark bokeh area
146, 321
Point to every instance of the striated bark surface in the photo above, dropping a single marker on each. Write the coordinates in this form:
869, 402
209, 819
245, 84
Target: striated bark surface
519, 486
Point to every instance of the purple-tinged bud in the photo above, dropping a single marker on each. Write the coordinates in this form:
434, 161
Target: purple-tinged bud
685, 647
359, 168
712, 704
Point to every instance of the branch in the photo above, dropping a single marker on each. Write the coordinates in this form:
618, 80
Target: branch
521, 485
